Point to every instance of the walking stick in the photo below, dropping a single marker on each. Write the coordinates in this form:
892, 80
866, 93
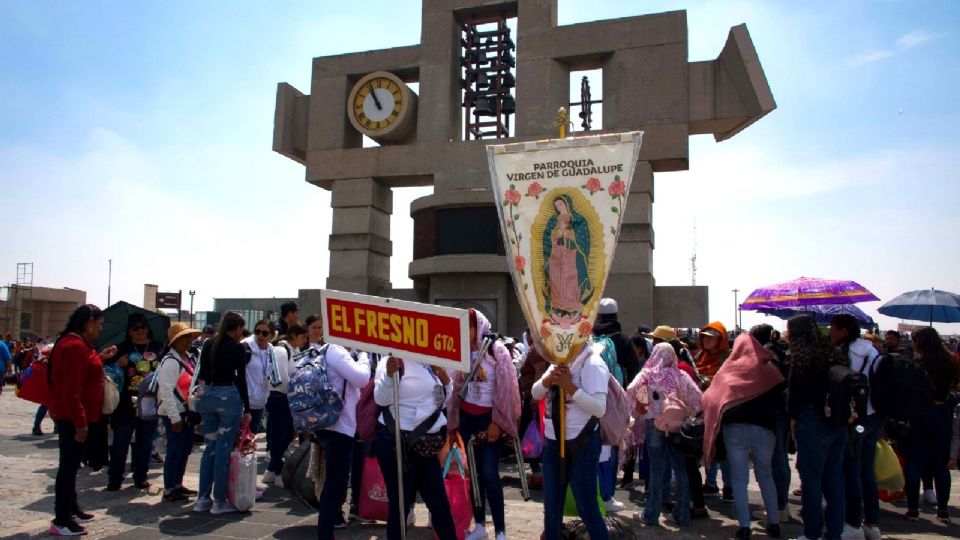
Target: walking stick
474, 482
524, 488
399, 450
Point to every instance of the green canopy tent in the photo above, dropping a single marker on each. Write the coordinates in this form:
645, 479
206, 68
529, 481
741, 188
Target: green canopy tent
115, 324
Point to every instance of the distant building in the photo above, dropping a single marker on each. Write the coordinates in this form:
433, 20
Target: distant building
38, 311
252, 309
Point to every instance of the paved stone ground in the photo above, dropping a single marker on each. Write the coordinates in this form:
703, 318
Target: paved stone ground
28, 467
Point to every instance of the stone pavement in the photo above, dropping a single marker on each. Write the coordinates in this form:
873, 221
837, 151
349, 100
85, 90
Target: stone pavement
28, 466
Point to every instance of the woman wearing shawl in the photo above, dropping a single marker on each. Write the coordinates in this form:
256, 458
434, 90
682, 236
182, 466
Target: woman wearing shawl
745, 397
658, 379
491, 408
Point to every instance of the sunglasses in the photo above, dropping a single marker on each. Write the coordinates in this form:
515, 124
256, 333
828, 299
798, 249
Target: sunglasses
264, 333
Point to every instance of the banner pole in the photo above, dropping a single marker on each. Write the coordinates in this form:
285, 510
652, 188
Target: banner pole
399, 450
562, 436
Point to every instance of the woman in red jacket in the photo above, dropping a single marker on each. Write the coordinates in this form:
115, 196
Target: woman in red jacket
75, 376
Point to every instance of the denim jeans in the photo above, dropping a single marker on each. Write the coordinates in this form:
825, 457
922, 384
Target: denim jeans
664, 457
582, 479
860, 482
65, 489
125, 428
742, 441
718, 466
279, 430
337, 449
179, 446
488, 470
820, 447
929, 447
221, 410
422, 475
781, 461
607, 471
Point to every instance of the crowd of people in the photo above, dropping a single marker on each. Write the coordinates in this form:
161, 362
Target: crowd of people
700, 409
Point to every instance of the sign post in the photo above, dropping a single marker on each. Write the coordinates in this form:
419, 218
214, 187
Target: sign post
170, 300
429, 334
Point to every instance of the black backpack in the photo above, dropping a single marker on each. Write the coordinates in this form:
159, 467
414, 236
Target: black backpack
848, 392
900, 389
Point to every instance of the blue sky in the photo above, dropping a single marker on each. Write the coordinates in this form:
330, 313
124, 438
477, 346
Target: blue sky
142, 132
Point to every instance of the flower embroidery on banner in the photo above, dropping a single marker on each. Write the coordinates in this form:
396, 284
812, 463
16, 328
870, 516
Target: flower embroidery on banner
592, 185
520, 263
585, 328
617, 188
534, 190
512, 196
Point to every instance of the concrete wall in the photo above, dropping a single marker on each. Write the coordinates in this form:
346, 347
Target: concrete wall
680, 307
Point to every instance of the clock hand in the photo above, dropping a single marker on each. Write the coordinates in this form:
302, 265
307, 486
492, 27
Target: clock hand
375, 100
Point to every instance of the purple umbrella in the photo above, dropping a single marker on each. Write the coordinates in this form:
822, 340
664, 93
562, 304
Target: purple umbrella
808, 292
822, 313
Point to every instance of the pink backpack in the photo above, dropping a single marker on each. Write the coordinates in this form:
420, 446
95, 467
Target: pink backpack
616, 419
673, 414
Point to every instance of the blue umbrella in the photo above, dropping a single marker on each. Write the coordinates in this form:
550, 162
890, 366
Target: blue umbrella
926, 305
822, 313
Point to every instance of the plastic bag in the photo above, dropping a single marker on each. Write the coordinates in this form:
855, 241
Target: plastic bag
457, 484
374, 503
887, 468
242, 482
445, 452
532, 444
570, 505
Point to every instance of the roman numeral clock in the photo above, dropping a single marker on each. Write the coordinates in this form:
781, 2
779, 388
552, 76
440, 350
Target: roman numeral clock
383, 107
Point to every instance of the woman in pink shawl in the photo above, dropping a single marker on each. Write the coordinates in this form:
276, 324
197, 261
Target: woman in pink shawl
490, 409
745, 397
659, 378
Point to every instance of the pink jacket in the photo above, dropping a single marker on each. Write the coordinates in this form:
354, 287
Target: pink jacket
506, 395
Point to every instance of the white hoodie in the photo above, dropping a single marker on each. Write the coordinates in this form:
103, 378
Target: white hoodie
861, 351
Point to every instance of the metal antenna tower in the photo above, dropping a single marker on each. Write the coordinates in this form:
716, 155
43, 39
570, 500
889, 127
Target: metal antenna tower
693, 257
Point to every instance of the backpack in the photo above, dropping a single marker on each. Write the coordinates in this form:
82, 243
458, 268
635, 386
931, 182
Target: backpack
147, 397
673, 414
899, 388
848, 392
609, 354
688, 440
314, 403
616, 418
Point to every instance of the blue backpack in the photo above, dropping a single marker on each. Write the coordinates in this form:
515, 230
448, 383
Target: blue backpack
314, 403
609, 355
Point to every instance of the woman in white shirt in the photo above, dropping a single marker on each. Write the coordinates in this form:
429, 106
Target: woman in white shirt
172, 408
261, 370
279, 420
347, 376
584, 384
423, 395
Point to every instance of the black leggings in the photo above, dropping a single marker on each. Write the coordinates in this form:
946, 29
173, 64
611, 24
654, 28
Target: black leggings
65, 498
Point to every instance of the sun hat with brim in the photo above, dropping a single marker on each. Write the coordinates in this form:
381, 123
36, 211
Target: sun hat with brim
178, 330
665, 333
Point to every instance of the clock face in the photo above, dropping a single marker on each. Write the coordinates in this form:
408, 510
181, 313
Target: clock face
377, 103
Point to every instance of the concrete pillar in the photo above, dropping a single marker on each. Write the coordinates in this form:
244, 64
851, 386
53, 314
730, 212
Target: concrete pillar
631, 280
360, 246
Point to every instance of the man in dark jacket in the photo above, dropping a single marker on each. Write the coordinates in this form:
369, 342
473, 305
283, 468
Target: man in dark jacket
608, 325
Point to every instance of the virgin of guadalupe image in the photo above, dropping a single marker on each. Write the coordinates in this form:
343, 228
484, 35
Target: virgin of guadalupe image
566, 250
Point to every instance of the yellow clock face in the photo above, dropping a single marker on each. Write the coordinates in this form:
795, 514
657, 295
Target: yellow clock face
377, 103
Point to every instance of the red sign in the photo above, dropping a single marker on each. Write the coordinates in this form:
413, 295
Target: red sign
434, 335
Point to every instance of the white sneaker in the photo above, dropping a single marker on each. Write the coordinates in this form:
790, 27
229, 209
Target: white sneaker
613, 505
851, 533
871, 533
479, 532
269, 477
501, 536
225, 507
203, 504
929, 497
70, 529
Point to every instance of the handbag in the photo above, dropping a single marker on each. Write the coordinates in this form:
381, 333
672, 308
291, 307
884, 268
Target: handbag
111, 395
374, 503
887, 469
457, 445
532, 443
457, 486
242, 479
688, 440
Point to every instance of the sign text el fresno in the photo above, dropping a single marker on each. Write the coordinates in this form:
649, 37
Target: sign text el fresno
401, 329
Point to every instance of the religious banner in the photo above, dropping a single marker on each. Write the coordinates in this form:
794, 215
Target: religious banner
433, 335
561, 203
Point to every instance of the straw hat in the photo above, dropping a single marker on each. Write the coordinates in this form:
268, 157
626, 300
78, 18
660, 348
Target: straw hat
665, 333
179, 329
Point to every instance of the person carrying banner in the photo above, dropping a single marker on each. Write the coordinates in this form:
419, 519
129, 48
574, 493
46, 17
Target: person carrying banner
584, 383
490, 409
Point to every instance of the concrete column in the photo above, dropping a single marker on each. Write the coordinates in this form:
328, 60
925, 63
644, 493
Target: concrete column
360, 246
631, 280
